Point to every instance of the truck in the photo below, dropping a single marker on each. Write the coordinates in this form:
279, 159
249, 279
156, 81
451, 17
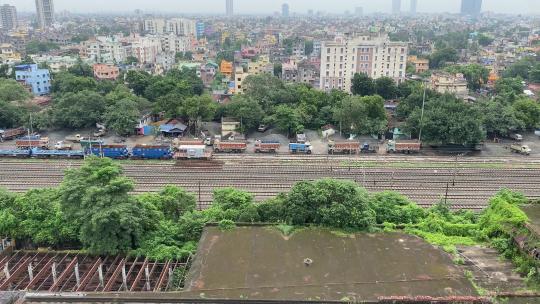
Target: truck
11, 133
344, 147
192, 152
367, 149
521, 149
300, 148
29, 142
262, 146
229, 147
404, 146
74, 138
62, 146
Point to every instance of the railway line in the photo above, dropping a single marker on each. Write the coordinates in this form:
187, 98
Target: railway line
465, 183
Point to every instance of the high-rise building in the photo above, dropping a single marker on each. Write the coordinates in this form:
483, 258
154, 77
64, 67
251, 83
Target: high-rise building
375, 56
45, 13
359, 11
230, 8
8, 17
471, 7
414, 6
396, 6
285, 10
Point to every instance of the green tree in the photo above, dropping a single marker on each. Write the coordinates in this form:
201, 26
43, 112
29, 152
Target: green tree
386, 88
362, 115
122, 116
392, 207
131, 60
81, 69
78, 110
362, 85
287, 119
447, 120
528, 111
11, 90
11, 115
67, 82
509, 86
96, 198
138, 81
309, 47
198, 108
499, 119
246, 110
485, 40
35, 47
440, 57
475, 74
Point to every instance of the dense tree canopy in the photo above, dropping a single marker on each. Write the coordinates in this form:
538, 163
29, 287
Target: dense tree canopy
362, 115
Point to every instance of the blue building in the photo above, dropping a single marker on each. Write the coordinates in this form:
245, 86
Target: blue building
37, 79
200, 28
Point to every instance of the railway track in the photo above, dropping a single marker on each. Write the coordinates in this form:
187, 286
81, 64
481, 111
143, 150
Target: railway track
467, 183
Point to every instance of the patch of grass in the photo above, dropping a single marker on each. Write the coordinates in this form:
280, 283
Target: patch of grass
226, 225
286, 230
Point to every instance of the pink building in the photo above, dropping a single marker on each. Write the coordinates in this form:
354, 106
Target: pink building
106, 72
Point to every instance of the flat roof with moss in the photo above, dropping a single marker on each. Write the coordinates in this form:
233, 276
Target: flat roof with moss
262, 263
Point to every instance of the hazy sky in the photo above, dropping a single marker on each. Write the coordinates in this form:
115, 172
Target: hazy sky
269, 6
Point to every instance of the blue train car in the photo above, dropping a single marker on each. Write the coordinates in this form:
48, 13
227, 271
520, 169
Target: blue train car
151, 152
15, 153
110, 151
37, 153
300, 148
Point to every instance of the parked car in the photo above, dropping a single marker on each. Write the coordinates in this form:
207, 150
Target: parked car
262, 128
516, 137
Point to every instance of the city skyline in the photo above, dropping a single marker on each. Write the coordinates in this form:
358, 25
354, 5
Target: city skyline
271, 7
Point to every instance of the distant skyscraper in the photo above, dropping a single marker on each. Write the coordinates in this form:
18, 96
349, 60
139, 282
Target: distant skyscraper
45, 13
396, 6
8, 17
471, 7
230, 8
414, 5
285, 10
359, 11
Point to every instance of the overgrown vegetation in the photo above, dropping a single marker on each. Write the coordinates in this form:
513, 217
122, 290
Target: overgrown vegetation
93, 210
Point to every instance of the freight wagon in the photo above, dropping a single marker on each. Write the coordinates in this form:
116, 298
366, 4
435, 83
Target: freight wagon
344, 147
267, 146
405, 146
15, 153
300, 148
11, 133
37, 153
110, 151
230, 147
30, 142
193, 152
151, 152
88, 143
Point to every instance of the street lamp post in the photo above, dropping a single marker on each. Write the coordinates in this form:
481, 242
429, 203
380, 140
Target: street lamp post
422, 115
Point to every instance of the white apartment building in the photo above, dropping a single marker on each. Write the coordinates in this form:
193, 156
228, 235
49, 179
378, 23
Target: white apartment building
177, 26
182, 27
154, 26
146, 49
105, 50
375, 56
175, 44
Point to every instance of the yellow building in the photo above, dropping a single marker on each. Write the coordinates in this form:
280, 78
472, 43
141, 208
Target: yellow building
420, 65
8, 55
239, 77
262, 65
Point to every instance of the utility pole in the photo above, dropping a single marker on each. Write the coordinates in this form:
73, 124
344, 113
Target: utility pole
422, 115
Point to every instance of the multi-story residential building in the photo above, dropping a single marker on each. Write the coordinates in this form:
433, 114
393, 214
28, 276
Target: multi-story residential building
105, 71
181, 27
8, 55
154, 26
289, 72
396, 6
105, 50
145, 49
285, 10
449, 83
38, 80
200, 29
375, 56
302, 72
166, 60
239, 77
226, 68
299, 50
57, 63
45, 13
420, 65
414, 7
262, 65
8, 17
173, 43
